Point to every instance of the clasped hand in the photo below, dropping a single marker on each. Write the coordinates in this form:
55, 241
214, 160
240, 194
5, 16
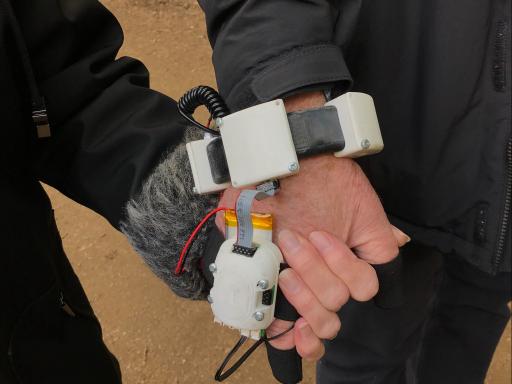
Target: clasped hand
331, 227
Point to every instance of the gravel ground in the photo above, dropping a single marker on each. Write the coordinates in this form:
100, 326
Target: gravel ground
158, 338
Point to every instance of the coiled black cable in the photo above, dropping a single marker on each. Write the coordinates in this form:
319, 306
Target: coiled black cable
202, 95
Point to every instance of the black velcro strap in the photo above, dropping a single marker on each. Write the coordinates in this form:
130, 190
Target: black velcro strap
286, 365
213, 244
284, 310
316, 131
391, 294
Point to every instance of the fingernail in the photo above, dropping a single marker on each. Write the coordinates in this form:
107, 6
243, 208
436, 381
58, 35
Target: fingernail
289, 281
288, 241
399, 233
320, 240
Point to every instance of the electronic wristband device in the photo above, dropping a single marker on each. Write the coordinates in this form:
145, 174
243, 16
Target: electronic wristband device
256, 147
264, 142
245, 294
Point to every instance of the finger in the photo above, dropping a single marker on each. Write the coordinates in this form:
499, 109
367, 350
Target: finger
357, 274
284, 342
302, 257
400, 236
308, 345
325, 324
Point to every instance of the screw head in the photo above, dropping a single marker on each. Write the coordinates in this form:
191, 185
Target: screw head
259, 316
263, 284
212, 268
218, 122
210, 300
293, 167
365, 143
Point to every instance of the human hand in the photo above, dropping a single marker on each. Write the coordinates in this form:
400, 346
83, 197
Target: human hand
324, 273
331, 195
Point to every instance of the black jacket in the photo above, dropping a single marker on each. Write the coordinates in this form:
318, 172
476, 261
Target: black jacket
108, 132
108, 128
439, 72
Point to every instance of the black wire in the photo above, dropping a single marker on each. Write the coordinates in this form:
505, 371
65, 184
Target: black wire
202, 95
221, 376
198, 125
279, 334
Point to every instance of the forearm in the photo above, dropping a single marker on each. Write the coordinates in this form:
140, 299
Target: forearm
268, 49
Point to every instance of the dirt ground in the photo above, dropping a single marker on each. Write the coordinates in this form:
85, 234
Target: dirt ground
158, 338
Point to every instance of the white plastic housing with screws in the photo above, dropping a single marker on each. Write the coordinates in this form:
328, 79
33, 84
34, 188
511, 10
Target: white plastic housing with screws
359, 123
237, 293
200, 165
259, 144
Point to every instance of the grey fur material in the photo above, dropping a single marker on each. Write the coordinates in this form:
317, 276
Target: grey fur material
162, 216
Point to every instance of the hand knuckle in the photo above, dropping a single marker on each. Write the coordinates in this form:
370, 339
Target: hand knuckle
372, 289
311, 351
338, 297
370, 286
330, 329
314, 354
306, 263
306, 303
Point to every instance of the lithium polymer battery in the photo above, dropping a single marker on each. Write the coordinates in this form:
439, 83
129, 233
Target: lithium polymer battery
261, 222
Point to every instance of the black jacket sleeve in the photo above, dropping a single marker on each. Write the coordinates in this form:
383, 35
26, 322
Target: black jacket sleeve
268, 49
108, 129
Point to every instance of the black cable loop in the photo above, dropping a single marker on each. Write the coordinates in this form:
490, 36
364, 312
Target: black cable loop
221, 376
202, 95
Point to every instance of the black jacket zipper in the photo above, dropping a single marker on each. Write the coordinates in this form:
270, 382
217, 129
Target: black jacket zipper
505, 222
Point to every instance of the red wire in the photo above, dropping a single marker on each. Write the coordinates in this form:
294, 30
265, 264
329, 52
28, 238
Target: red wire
188, 244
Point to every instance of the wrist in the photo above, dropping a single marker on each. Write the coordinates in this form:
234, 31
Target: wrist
305, 100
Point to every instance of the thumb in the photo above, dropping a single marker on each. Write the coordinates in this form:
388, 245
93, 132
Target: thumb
372, 237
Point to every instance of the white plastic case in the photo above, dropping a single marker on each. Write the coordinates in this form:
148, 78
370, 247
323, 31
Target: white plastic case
200, 165
235, 296
258, 144
359, 124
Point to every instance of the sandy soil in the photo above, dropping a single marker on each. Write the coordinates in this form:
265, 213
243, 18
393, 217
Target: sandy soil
157, 337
